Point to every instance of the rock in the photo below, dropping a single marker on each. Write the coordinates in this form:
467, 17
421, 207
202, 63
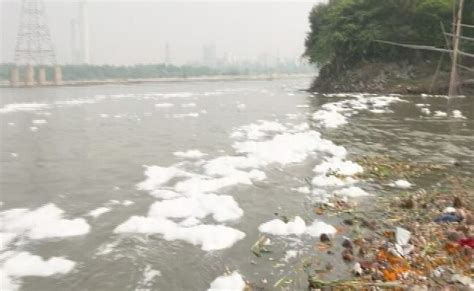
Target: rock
469, 219
457, 202
408, 203
347, 255
453, 236
329, 267
357, 269
348, 221
465, 280
347, 244
363, 251
324, 238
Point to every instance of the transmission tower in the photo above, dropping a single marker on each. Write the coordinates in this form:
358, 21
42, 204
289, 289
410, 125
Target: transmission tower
33, 42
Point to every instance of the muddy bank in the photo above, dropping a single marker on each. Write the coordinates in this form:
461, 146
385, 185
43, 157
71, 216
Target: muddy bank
395, 78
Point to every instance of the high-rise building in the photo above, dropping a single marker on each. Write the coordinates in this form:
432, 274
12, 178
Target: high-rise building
167, 54
209, 55
84, 32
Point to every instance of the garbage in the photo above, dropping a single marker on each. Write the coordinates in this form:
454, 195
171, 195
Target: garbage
402, 236
448, 218
469, 242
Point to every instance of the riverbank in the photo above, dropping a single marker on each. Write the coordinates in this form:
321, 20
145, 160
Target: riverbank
389, 78
5, 84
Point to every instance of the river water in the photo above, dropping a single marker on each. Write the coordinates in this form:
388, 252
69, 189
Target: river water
165, 186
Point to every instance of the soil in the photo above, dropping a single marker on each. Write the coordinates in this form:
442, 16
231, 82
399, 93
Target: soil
395, 78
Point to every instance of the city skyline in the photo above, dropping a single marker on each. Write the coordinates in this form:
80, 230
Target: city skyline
123, 39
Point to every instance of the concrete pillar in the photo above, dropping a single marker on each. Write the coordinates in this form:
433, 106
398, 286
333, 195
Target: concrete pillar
14, 76
42, 76
30, 75
57, 75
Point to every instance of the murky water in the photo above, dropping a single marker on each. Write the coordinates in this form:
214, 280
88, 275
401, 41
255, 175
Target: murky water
85, 148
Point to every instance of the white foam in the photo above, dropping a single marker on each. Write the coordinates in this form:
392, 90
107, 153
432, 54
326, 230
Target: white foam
164, 194
210, 237
440, 114
44, 222
190, 154
338, 166
279, 227
458, 114
158, 176
188, 105
425, 111
286, 148
164, 105
25, 264
402, 184
39, 121
98, 211
351, 192
330, 181
148, 276
18, 107
127, 202
33, 128
329, 119
232, 282
319, 227
221, 207
183, 115
258, 130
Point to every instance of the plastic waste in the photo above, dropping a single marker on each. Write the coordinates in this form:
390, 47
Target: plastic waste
450, 217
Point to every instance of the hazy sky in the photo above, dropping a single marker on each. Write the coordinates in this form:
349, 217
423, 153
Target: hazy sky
127, 32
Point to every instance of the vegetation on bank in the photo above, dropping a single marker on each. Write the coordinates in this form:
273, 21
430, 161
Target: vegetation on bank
344, 33
144, 71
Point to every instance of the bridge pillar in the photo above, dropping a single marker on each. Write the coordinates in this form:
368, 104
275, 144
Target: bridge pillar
57, 75
42, 76
14, 76
30, 75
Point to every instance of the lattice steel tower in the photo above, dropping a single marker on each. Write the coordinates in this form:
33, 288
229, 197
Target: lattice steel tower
33, 42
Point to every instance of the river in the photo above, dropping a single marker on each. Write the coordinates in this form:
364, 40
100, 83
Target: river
165, 186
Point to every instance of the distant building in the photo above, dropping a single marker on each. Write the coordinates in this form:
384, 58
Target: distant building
84, 35
209, 55
167, 54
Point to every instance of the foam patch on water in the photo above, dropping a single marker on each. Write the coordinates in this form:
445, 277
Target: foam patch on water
338, 166
335, 114
221, 207
19, 107
184, 115
258, 130
458, 114
209, 236
148, 277
164, 105
188, 105
296, 227
39, 121
190, 154
439, 113
279, 227
24, 264
44, 222
319, 227
351, 192
98, 211
232, 282
288, 148
158, 176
